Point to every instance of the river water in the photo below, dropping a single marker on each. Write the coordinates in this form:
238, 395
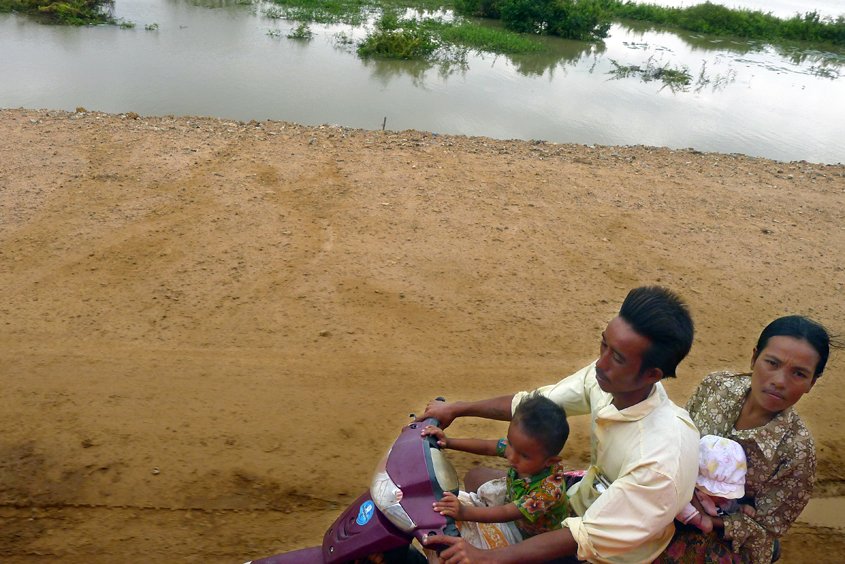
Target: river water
216, 58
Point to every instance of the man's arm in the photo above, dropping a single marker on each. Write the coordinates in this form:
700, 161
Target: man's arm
534, 550
494, 408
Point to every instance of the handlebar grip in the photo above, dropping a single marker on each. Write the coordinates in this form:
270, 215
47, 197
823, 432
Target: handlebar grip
451, 529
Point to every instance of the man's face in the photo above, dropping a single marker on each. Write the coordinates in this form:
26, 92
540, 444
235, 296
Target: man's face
618, 366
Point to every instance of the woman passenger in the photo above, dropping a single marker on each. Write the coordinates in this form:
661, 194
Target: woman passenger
756, 410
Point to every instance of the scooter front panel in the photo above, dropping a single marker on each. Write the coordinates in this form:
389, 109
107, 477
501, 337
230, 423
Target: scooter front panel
361, 530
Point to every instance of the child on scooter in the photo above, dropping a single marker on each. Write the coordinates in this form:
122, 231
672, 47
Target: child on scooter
533, 495
720, 484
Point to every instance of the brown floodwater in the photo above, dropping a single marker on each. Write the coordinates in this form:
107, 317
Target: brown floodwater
217, 58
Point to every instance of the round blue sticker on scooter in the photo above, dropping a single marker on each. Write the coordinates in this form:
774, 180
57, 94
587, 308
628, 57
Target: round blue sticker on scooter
365, 513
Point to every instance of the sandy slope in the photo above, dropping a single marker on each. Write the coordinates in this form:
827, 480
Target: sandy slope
211, 330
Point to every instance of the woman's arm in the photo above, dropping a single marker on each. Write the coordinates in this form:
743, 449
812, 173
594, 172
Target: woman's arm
778, 503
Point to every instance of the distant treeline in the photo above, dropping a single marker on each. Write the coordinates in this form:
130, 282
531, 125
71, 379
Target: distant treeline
75, 12
590, 19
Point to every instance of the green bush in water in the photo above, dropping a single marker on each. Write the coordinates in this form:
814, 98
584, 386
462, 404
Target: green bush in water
74, 12
719, 20
489, 39
395, 38
586, 20
479, 8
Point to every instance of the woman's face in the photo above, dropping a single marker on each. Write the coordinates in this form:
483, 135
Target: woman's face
782, 372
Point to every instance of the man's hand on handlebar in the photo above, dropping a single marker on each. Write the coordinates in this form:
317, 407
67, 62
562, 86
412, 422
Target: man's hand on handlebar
440, 410
459, 551
450, 506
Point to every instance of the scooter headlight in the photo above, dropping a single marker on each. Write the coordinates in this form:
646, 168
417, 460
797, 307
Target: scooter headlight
387, 495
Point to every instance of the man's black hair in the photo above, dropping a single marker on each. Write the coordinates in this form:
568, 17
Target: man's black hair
663, 317
544, 420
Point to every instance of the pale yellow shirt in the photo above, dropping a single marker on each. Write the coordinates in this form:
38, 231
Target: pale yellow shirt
648, 453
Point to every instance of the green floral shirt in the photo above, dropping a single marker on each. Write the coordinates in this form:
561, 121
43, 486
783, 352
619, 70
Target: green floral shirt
781, 462
541, 498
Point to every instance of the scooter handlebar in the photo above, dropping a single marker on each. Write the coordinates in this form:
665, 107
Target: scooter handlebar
451, 529
432, 440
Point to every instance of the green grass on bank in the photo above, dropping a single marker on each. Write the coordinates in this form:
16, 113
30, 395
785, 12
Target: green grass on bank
587, 20
426, 38
349, 12
718, 20
574, 19
75, 12
590, 19
492, 40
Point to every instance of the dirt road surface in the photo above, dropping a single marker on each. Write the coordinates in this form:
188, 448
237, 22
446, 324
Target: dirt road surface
212, 330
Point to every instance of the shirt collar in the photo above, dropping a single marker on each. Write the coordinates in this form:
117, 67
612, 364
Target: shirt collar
636, 411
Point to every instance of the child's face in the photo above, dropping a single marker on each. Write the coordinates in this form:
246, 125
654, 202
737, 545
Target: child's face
525, 454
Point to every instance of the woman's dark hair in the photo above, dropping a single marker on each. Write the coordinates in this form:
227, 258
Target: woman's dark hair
544, 420
799, 327
663, 317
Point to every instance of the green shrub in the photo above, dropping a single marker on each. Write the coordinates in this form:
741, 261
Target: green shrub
351, 12
489, 39
525, 16
74, 12
719, 20
395, 38
479, 8
302, 31
586, 20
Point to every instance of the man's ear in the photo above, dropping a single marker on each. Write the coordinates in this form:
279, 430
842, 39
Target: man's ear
653, 375
753, 358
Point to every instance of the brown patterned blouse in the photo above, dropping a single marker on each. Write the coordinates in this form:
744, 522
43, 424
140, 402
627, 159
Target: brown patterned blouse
781, 462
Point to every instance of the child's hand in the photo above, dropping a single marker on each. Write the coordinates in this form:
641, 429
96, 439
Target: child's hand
437, 432
449, 505
747, 509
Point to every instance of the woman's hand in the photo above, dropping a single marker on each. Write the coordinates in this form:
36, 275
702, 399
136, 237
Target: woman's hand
747, 509
450, 506
437, 432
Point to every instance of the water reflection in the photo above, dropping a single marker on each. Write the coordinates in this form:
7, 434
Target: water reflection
560, 54
421, 73
721, 57
678, 79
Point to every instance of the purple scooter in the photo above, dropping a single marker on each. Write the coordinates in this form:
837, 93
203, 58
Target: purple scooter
397, 509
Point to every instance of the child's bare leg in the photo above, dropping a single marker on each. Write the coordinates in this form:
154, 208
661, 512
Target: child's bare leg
481, 475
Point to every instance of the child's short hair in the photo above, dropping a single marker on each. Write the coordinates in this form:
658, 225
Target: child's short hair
544, 420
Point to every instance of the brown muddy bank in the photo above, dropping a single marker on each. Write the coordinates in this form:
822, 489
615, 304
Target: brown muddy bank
211, 330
